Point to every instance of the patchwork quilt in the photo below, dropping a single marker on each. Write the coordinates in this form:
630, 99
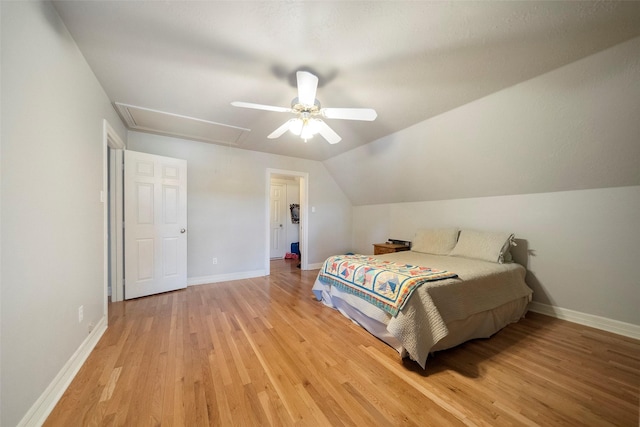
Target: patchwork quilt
384, 283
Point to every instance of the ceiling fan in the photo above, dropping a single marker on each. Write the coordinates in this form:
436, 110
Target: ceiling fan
308, 121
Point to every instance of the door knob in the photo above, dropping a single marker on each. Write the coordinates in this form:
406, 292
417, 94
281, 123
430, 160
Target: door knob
182, 230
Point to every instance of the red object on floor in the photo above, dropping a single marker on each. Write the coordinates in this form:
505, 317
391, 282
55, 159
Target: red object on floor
290, 255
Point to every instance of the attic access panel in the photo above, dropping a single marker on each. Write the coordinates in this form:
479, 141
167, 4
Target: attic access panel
163, 123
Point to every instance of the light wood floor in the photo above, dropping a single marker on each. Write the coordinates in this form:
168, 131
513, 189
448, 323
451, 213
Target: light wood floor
264, 352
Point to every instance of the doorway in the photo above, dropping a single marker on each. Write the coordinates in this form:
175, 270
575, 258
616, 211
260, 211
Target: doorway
112, 197
302, 179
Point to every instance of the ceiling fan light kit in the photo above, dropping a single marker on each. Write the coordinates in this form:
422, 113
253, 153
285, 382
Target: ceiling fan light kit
307, 109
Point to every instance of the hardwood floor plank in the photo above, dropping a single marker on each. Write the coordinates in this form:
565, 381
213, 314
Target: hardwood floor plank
413, 381
264, 352
107, 391
272, 374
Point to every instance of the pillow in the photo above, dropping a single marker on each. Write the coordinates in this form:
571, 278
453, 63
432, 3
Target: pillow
435, 242
483, 245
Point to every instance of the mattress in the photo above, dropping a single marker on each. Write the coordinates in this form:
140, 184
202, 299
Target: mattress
484, 298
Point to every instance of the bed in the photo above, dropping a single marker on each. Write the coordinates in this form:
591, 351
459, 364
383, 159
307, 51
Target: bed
482, 297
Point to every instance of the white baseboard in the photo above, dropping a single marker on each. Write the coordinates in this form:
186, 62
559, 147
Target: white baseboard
203, 280
316, 266
40, 410
609, 325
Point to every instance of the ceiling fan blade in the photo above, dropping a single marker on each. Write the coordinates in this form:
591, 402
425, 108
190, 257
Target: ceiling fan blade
278, 132
367, 114
261, 107
327, 133
307, 86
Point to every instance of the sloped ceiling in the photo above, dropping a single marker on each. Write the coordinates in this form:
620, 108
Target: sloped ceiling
408, 60
573, 128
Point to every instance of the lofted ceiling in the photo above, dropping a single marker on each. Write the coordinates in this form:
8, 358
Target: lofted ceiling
178, 65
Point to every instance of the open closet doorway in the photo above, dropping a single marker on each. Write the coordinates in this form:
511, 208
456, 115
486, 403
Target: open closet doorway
284, 191
286, 188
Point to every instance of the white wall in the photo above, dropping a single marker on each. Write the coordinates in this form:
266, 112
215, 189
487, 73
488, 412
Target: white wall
580, 247
227, 205
52, 218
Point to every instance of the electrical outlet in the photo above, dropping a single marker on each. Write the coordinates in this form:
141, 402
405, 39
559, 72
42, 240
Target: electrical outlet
215, 261
80, 313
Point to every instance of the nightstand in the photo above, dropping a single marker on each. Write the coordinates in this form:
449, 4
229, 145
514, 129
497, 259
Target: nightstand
387, 248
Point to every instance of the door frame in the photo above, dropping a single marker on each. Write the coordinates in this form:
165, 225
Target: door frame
110, 139
304, 216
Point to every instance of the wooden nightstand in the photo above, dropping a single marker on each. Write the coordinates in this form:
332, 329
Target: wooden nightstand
387, 248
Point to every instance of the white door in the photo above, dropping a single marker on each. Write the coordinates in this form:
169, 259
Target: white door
278, 214
155, 217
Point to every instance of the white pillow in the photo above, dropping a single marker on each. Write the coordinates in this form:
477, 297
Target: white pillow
483, 245
436, 241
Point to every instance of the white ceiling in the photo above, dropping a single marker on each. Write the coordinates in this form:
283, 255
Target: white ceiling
407, 60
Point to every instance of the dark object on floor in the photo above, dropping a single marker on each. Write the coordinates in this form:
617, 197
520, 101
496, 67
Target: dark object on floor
295, 248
